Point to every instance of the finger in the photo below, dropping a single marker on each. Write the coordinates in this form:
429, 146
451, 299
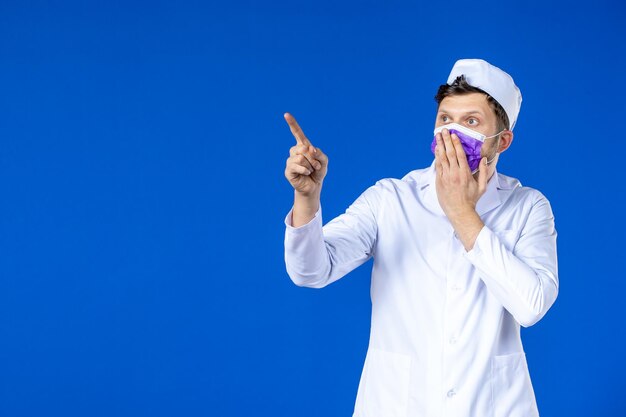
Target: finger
450, 151
321, 156
301, 160
460, 153
296, 131
440, 155
482, 175
298, 149
308, 152
438, 166
314, 157
293, 170
294, 150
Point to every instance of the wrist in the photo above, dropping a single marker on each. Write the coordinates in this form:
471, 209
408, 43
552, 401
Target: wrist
304, 209
462, 213
311, 198
467, 227
306, 204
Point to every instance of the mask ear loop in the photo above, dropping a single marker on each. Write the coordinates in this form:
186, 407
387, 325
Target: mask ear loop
499, 133
489, 161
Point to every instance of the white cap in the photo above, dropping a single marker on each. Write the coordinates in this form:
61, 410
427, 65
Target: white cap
493, 81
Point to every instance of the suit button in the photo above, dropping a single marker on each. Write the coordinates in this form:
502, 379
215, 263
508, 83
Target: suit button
451, 393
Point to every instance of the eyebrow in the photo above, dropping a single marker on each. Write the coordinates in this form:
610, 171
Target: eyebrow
464, 114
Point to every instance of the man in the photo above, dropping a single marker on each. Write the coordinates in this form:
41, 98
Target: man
463, 256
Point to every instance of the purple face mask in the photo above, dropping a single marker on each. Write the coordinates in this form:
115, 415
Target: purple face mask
471, 141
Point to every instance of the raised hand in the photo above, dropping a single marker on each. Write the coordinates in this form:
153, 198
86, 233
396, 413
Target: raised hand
458, 191
307, 165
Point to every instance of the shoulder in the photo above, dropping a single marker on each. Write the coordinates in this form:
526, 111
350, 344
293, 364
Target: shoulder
519, 194
393, 191
412, 180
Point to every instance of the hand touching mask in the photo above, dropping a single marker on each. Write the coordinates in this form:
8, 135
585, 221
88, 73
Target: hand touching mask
471, 140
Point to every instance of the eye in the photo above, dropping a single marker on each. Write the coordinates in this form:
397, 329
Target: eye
471, 119
444, 118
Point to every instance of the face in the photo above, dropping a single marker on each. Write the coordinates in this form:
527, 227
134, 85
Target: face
473, 111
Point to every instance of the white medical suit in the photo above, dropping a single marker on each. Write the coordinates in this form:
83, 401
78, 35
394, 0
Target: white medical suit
445, 326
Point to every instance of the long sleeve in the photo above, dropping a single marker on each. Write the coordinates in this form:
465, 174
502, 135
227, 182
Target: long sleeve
524, 275
317, 255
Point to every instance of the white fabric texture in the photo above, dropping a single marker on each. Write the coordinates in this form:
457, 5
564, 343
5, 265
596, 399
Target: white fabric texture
445, 326
492, 80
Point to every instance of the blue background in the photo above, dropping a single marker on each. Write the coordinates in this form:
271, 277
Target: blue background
142, 193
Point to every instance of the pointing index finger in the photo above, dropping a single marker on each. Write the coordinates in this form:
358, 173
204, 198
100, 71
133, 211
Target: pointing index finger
296, 130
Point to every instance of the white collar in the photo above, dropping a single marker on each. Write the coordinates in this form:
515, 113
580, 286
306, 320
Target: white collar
487, 202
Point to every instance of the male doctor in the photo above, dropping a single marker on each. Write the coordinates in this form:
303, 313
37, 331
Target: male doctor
463, 256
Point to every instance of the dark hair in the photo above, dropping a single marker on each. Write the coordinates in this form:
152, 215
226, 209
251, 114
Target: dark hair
461, 87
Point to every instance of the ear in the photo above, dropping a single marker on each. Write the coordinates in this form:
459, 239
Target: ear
506, 138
